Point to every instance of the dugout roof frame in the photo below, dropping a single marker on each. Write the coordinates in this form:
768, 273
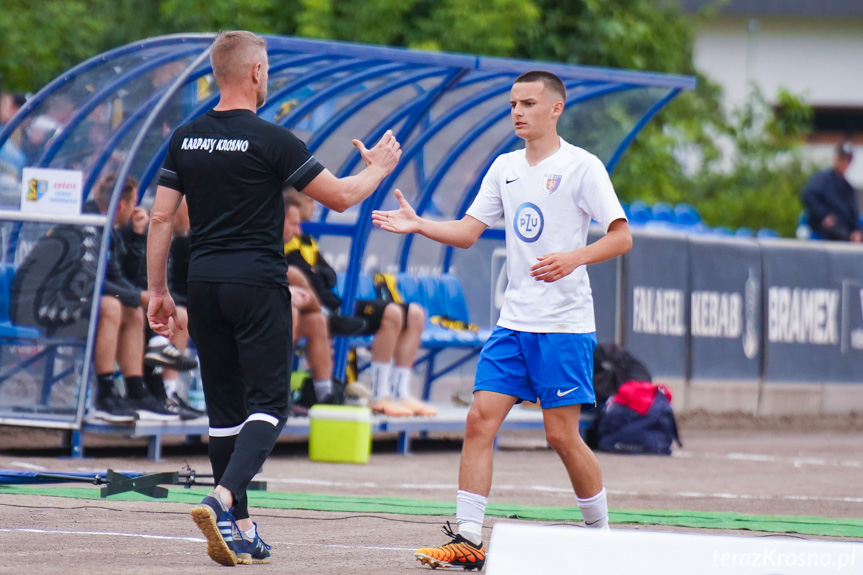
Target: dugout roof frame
116, 111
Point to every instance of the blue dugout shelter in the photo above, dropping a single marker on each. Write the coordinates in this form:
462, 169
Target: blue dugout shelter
115, 113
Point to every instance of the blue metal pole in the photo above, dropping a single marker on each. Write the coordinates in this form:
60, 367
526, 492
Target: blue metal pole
406, 110
101, 59
297, 113
57, 140
364, 220
342, 115
624, 144
302, 81
358, 242
467, 140
159, 156
507, 144
123, 172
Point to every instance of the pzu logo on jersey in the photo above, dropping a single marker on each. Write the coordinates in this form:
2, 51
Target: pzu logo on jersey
528, 222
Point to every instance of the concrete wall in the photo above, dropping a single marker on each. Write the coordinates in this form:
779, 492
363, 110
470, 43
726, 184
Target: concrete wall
819, 59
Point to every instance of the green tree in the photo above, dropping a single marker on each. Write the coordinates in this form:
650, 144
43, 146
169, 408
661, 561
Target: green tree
738, 168
41, 39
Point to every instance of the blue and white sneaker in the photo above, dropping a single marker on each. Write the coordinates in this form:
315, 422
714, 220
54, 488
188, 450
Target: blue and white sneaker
217, 524
252, 552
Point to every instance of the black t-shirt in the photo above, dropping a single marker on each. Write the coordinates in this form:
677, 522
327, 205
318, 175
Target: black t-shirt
232, 167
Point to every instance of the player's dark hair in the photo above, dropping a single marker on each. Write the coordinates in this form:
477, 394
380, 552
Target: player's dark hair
549, 80
105, 188
291, 199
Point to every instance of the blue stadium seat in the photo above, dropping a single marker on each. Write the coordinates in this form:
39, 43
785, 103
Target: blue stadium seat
409, 288
639, 213
456, 306
431, 296
744, 232
686, 215
365, 286
722, 231
662, 212
804, 232
7, 329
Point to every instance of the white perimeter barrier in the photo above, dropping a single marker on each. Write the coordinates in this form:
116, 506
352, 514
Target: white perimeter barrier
517, 549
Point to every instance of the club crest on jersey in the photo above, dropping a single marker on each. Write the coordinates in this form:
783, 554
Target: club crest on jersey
552, 181
528, 222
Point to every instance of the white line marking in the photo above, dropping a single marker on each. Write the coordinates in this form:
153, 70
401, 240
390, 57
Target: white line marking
795, 461
102, 533
428, 485
195, 539
751, 457
25, 465
700, 495
318, 482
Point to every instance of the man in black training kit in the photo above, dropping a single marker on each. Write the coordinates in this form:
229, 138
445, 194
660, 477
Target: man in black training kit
232, 166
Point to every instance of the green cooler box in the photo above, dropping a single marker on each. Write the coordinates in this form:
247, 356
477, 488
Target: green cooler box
340, 433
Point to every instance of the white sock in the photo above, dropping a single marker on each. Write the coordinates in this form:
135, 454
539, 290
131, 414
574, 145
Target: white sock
401, 382
380, 380
322, 388
469, 514
250, 534
594, 510
170, 387
158, 341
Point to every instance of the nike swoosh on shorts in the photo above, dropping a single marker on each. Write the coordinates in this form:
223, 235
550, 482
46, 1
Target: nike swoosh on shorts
559, 394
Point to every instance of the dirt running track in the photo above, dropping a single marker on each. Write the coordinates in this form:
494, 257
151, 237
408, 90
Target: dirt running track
730, 467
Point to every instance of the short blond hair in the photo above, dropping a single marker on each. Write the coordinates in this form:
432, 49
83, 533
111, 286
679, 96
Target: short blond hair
233, 52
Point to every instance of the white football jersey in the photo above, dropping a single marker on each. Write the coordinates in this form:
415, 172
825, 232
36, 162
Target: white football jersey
547, 208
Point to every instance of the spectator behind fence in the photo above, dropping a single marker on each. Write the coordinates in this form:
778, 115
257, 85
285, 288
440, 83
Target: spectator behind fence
310, 322
831, 201
120, 332
10, 103
397, 326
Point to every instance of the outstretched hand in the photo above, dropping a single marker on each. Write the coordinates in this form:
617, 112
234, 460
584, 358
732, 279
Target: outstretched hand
401, 221
160, 311
384, 155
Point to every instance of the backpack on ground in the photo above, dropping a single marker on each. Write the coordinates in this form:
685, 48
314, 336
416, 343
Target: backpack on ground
638, 420
612, 367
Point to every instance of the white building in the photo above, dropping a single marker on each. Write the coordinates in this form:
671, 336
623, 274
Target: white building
812, 48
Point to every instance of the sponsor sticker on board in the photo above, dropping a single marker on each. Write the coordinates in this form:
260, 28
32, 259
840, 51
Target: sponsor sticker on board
50, 191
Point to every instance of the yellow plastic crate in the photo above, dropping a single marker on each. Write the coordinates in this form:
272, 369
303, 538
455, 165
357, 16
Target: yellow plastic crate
340, 434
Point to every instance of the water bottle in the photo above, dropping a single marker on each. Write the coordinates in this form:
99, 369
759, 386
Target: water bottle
196, 392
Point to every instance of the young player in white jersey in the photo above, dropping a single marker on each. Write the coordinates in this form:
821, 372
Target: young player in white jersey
542, 347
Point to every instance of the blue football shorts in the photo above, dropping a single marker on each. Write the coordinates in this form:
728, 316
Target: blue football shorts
556, 368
